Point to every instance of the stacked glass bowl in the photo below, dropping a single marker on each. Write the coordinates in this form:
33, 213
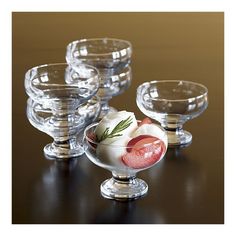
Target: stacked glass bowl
111, 57
61, 102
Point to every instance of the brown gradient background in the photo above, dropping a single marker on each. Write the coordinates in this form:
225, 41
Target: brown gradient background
188, 185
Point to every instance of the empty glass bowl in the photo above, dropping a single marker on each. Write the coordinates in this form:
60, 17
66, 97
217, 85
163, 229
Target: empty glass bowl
111, 57
172, 103
124, 161
99, 52
43, 119
57, 94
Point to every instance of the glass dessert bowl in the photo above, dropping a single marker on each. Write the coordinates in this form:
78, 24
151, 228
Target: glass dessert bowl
41, 118
56, 102
172, 103
124, 147
111, 57
99, 52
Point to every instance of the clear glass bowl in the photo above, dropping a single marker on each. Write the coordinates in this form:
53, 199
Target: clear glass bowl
58, 87
124, 162
172, 103
59, 91
111, 57
99, 52
67, 142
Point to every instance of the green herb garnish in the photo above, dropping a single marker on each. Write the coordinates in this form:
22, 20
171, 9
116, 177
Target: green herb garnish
122, 125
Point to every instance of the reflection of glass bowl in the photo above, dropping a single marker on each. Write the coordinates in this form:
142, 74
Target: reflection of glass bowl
172, 103
58, 90
99, 52
124, 162
64, 133
112, 57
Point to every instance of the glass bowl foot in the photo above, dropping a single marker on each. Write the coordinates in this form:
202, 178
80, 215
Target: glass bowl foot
53, 151
124, 189
179, 137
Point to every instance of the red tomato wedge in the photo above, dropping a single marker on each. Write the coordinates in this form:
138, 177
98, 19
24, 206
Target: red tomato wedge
145, 121
144, 153
92, 136
137, 139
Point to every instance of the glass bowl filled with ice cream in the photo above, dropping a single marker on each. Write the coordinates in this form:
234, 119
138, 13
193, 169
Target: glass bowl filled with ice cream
124, 146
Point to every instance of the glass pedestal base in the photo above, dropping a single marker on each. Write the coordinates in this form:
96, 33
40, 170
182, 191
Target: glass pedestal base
178, 137
124, 189
62, 151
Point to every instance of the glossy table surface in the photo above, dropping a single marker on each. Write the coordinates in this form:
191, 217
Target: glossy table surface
187, 186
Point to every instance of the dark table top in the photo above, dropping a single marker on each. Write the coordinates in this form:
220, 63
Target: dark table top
187, 186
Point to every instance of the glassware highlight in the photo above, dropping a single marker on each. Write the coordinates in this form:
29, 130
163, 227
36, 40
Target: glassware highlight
172, 103
111, 57
124, 162
57, 94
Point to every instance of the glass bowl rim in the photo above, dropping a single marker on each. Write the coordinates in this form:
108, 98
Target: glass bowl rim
124, 146
129, 45
57, 64
32, 91
174, 100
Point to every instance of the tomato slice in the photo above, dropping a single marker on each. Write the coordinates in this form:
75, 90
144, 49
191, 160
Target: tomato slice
144, 154
136, 140
92, 136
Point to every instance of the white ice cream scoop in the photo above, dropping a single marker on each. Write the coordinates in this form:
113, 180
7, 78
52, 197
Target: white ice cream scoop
111, 153
116, 125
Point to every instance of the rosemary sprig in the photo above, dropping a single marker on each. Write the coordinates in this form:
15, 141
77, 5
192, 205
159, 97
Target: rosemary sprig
122, 125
